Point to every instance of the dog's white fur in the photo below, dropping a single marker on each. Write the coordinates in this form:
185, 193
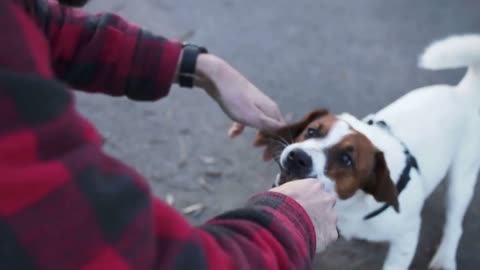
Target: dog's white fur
440, 125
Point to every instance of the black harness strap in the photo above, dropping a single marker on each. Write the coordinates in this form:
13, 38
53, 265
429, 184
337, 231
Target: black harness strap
411, 163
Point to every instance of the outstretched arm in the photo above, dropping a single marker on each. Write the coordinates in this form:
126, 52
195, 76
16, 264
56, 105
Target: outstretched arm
105, 53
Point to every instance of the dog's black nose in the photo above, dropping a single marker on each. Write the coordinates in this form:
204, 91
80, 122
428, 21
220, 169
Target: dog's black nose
298, 163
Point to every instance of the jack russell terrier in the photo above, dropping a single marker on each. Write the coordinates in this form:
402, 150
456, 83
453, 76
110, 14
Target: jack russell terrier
384, 167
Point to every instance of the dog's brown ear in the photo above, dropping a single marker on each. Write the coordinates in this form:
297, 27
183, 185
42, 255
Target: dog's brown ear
288, 133
381, 185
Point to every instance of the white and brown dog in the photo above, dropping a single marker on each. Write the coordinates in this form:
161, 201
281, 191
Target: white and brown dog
384, 167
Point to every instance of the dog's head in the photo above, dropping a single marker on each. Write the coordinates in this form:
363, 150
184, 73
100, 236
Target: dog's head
326, 147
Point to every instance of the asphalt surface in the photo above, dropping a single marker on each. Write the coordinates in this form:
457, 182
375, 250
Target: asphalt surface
354, 56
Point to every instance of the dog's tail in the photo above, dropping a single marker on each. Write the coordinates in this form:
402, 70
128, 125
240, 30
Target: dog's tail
457, 52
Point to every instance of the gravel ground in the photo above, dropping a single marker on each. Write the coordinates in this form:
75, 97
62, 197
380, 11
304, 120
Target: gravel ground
354, 56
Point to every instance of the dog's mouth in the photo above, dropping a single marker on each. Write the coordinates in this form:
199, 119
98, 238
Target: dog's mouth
282, 178
285, 176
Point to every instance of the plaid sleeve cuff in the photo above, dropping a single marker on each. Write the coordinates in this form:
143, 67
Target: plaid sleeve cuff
291, 210
153, 67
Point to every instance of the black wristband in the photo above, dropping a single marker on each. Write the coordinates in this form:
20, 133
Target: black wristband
188, 64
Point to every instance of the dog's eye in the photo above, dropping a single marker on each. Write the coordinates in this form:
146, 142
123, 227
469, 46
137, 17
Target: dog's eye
345, 159
312, 133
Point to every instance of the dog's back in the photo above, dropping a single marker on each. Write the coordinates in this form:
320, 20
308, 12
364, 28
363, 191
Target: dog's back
440, 125
457, 52
434, 120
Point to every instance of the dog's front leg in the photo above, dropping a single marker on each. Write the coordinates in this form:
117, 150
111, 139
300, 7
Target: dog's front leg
402, 249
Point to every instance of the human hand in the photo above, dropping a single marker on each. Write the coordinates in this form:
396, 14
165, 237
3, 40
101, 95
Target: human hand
238, 98
318, 204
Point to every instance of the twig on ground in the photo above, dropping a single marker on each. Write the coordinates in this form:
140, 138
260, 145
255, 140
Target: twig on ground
194, 209
204, 184
170, 199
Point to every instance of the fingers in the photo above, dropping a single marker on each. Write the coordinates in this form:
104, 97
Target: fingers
311, 185
330, 198
319, 188
270, 108
315, 183
273, 111
267, 155
235, 130
242, 101
260, 140
319, 206
279, 116
270, 116
267, 123
257, 120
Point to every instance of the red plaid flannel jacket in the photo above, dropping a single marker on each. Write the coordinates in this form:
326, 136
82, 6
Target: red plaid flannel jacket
64, 203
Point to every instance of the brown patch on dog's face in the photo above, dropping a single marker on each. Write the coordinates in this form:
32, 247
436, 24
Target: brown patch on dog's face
355, 163
318, 128
350, 164
380, 185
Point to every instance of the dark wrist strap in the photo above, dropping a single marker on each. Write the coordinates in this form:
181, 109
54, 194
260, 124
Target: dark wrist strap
188, 64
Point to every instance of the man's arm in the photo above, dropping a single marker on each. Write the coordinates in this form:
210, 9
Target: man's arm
271, 232
105, 53
65, 204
